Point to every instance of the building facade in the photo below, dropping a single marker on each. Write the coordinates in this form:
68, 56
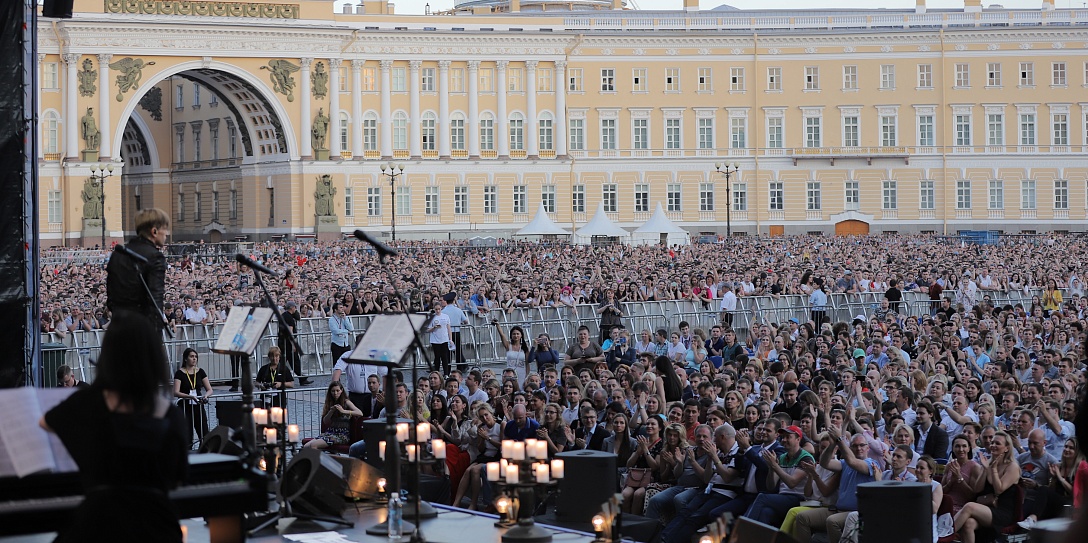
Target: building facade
246, 119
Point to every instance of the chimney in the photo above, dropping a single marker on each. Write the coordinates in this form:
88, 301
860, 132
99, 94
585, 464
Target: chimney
920, 6
972, 6
691, 5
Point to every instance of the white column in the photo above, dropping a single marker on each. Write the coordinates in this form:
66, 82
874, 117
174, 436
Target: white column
532, 136
103, 107
38, 101
357, 109
473, 109
443, 109
560, 126
387, 108
71, 89
502, 132
414, 144
334, 105
307, 119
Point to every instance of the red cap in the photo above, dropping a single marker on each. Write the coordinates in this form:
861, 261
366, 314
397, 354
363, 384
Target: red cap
792, 429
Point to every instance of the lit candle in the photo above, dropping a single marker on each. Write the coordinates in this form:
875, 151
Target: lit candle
413, 453
423, 432
381, 449
518, 451
598, 525
507, 448
542, 473
402, 432
381, 485
511, 474
270, 435
502, 465
530, 447
542, 450
493, 472
292, 433
502, 505
439, 448
557, 468
260, 416
184, 534
277, 415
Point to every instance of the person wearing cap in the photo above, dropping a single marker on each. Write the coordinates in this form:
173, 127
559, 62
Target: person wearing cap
847, 284
859, 358
786, 469
458, 318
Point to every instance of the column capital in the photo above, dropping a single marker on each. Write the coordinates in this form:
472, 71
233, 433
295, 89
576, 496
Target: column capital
104, 58
501, 64
306, 62
357, 64
560, 65
444, 65
335, 62
473, 65
385, 65
414, 65
70, 58
530, 64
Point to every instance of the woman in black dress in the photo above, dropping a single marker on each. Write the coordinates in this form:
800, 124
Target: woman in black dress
127, 439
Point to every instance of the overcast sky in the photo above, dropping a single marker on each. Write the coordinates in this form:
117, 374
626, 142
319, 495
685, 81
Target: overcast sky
416, 6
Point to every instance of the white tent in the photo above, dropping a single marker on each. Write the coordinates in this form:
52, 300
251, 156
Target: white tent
541, 225
659, 227
600, 226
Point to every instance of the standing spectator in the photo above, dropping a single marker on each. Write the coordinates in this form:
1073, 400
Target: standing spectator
341, 330
817, 302
288, 329
611, 313
441, 338
193, 389
458, 318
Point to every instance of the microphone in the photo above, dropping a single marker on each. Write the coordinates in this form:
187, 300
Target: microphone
130, 253
383, 249
255, 266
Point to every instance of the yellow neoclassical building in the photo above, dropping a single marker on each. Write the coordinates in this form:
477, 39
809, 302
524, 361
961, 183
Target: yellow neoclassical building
261, 119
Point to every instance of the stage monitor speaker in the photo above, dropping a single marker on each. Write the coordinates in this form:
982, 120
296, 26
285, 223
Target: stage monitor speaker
746, 530
59, 9
220, 440
895, 507
313, 484
361, 478
229, 413
589, 481
374, 433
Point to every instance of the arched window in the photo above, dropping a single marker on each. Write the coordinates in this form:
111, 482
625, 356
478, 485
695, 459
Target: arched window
517, 132
345, 125
457, 132
400, 131
370, 131
546, 131
487, 132
427, 131
50, 133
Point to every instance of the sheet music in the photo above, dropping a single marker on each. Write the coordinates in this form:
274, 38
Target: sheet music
252, 330
26, 447
387, 339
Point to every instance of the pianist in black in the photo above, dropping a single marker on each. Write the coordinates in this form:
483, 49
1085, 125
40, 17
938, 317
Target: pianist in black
127, 438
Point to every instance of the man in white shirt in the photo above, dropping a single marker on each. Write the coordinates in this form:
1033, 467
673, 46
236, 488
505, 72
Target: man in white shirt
457, 319
728, 305
472, 382
441, 336
195, 313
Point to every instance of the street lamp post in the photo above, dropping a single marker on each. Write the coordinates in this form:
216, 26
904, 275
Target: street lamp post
101, 172
393, 171
728, 170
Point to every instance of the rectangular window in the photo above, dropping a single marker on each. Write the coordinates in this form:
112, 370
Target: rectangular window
1027, 194
963, 194
374, 202
774, 132
578, 199
214, 131
1027, 129
642, 197
50, 76
812, 196
547, 197
370, 134
577, 133
672, 79
706, 80
545, 134
181, 207
608, 80
1057, 74
963, 75
812, 78
890, 194
776, 195
179, 97
55, 211
487, 134
430, 201
853, 195
427, 132
460, 200
740, 196
774, 79
672, 133
404, 200
491, 199
850, 77
736, 79
925, 76
812, 132
400, 132
851, 132
233, 204
608, 134
926, 134
342, 80
400, 79
545, 80
426, 80
349, 204
574, 79
610, 197
197, 207
672, 197
995, 129
993, 74
369, 77
457, 134
738, 133
997, 194
487, 79
706, 133
640, 133
927, 195
706, 196
1027, 74
515, 80
638, 80
963, 130
888, 133
887, 76
521, 199
1061, 194
1060, 122
457, 80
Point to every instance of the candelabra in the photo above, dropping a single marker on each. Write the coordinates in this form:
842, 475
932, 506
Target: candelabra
522, 472
416, 448
279, 438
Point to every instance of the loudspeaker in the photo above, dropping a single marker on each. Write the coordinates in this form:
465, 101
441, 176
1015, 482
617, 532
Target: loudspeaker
589, 481
746, 530
374, 433
895, 507
361, 478
60, 9
229, 413
220, 440
313, 484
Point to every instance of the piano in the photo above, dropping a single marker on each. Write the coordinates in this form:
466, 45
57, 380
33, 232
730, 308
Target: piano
218, 488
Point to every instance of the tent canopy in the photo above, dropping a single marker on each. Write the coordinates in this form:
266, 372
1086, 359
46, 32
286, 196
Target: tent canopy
659, 223
541, 225
601, 225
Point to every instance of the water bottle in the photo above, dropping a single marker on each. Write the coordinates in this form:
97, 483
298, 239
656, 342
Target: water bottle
396, 516
239, 341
